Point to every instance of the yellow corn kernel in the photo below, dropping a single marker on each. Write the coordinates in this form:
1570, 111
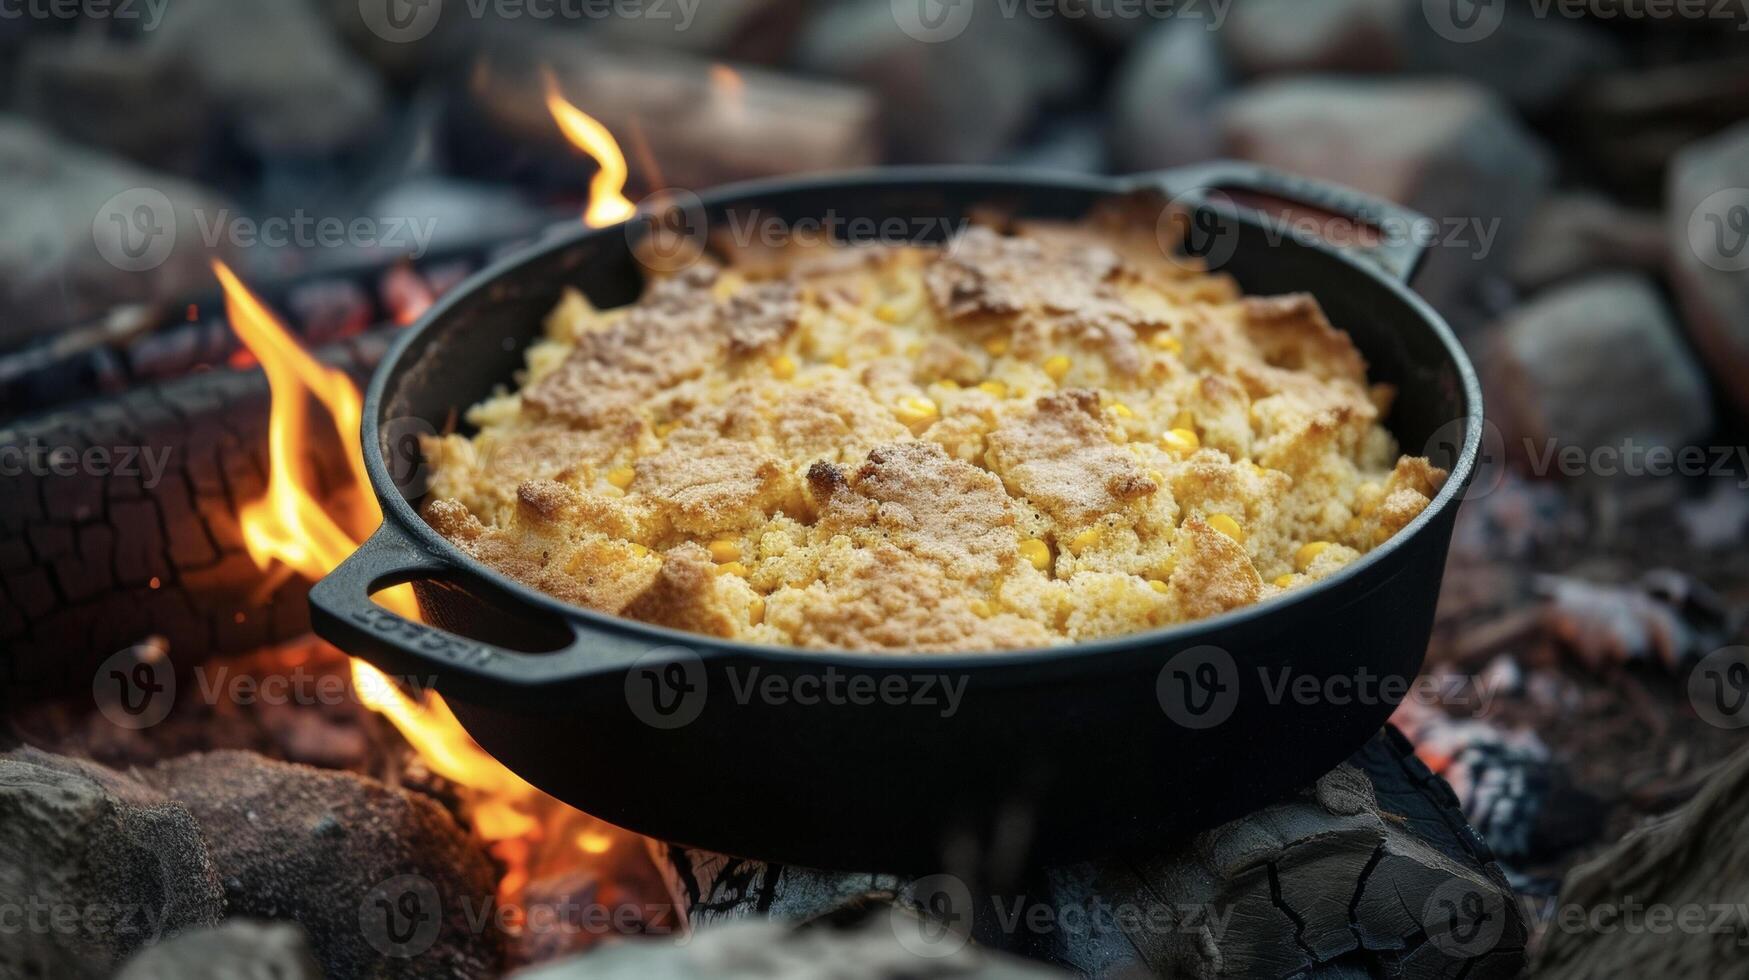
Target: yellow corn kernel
1283, 581
642, 551
1057, 366
1309, 553
1086, 539
916, 410
732, 568
981, 608
1157, 585
756, 611
1226, 525
1180, 441
1122, 411
663, 428
996, 346
1185, 419
840, 360
994, 388
724, 551
621, 476
888, 313
1168, 343
1037, 552
1158, 477
783, 367
949, 383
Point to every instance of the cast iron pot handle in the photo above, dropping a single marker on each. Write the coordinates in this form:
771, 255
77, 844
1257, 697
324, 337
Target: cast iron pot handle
344, 614
1398, 252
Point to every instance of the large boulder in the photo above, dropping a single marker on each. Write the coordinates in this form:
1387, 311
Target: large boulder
235, 950
1446, 149
957, 90
1579, 233
81, 233
271, 72
96, 865
1709, 254
1274, 37
384, 881
1597, 365
1531, 61
1165, 101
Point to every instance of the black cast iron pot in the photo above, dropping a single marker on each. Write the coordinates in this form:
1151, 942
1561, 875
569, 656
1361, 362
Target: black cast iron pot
881, 761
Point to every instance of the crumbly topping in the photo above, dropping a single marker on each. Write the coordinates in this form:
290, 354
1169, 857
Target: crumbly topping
1060, 457
1020, 439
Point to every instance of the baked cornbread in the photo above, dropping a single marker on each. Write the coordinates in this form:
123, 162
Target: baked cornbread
1037, 434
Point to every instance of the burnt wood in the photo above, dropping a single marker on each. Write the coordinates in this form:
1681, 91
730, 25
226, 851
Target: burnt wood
94, 559
1352, 878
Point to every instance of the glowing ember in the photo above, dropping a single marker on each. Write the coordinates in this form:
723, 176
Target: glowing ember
290, 526
607, 201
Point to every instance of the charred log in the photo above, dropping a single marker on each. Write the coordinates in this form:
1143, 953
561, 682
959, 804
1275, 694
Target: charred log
118, 522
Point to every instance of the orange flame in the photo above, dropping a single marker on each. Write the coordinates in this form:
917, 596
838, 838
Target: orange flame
607, 201
289, 525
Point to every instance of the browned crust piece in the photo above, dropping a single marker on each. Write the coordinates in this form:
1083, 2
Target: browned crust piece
913, 495
1060, 458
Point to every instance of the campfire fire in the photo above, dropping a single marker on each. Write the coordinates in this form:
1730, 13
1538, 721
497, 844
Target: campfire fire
291, 530
607, 201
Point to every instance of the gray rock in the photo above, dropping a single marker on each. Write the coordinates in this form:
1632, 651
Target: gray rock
272, 69
384, 881
771, 949
96, 864
1271, 37
1709, 254
236, 949
81, 233
960, 98
1166, 98
1530, 61
1595, 365
1446, 149
1629, 126
1577, 234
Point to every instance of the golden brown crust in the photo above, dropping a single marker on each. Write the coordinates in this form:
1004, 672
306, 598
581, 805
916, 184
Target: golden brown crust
1061, 458
1017, 440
